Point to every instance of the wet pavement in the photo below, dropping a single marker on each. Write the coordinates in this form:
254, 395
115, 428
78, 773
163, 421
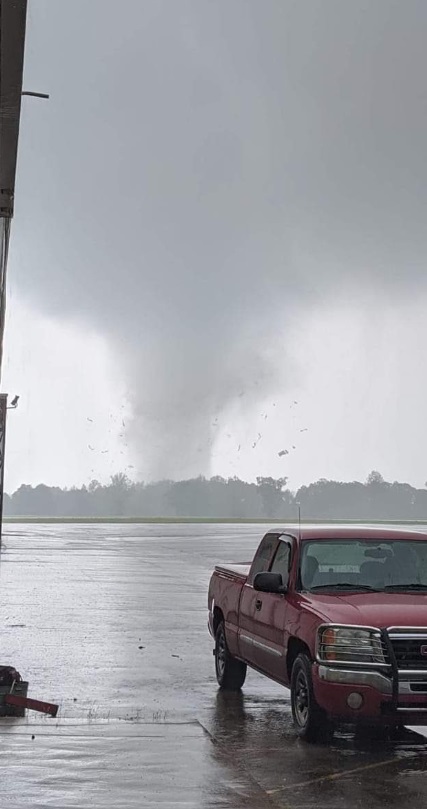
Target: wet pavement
110, 622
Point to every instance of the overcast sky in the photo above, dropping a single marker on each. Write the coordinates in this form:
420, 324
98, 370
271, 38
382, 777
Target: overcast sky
220, 241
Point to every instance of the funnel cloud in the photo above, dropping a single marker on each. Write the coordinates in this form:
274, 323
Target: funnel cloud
203, 174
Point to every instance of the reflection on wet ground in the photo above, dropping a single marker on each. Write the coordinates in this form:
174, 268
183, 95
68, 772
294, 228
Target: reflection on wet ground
257, 736
110, 621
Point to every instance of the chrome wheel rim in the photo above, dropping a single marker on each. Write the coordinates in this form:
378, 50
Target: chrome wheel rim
301, 703
221, 654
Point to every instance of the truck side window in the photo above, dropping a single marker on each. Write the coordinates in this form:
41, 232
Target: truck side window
281, 561
263, 556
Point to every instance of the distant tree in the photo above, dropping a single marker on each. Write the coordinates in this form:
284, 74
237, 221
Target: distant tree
7, 505
118, 492
270, 491
120, 481
220, 497
374, 479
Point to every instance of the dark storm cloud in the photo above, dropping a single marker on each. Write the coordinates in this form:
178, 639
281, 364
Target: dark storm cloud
204, 168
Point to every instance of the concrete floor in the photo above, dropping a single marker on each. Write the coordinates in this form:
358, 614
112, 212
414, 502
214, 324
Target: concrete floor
145, 727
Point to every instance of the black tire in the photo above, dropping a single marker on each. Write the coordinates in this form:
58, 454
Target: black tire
379, 733
397, 733
310, 721
230, 673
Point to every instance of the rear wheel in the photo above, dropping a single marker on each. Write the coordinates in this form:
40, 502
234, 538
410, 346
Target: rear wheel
230, 672
310, 721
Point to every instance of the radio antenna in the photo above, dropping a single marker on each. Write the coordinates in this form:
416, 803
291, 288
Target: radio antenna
299, 520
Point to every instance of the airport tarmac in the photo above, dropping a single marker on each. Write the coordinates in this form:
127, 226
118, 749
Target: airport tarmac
110, 622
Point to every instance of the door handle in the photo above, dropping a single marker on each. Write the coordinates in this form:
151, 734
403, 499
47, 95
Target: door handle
258, 604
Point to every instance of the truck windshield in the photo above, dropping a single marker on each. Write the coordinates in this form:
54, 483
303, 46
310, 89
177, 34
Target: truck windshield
383, 566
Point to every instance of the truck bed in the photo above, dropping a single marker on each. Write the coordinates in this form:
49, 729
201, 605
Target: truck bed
225, 588
238, 572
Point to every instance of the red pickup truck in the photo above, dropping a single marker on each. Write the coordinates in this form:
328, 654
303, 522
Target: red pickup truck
339, 615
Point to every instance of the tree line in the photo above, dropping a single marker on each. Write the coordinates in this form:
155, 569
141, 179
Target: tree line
217, 497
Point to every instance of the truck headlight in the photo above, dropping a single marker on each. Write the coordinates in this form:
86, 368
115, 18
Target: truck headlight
343, 644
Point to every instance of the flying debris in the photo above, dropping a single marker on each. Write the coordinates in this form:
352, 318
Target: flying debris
92, 448
239, 448
305, 430
293, 447
283, 452
14, 402
88, 419
104, 451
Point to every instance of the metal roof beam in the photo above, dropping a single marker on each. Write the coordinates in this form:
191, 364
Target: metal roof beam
13, 15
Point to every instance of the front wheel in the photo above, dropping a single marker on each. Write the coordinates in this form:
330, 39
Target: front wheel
310, 721
230, 672
379, 733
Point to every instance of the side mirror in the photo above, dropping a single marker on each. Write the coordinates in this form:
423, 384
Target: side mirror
269, 583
